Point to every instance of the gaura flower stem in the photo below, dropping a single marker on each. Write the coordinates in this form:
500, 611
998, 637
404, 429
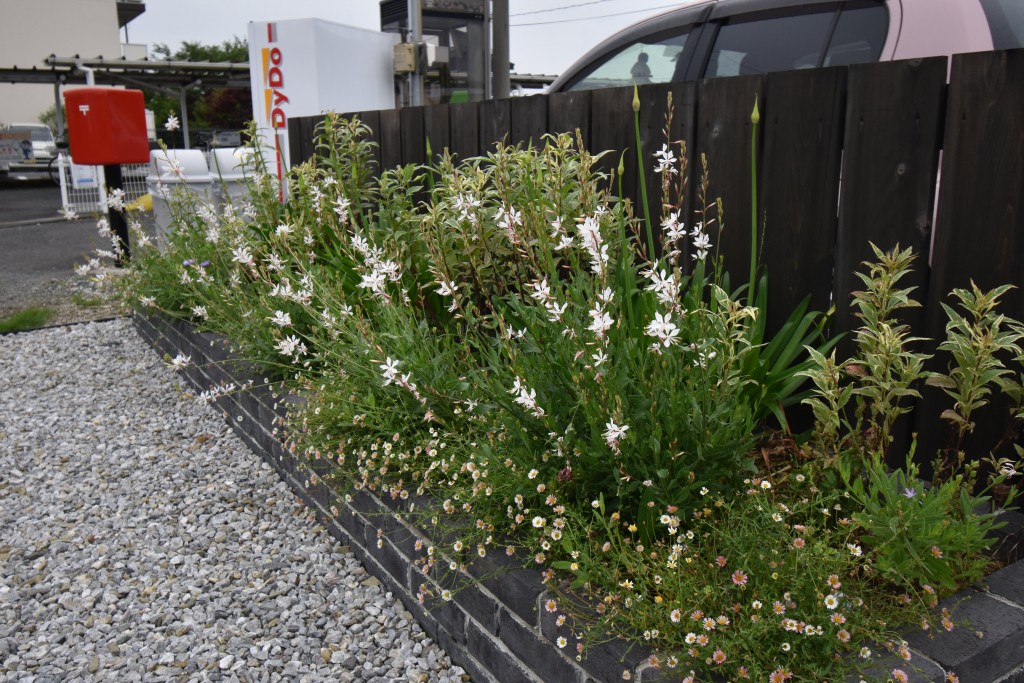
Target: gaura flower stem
755, 118
640, 172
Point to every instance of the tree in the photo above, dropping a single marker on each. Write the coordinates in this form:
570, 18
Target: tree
49, 117
229, 108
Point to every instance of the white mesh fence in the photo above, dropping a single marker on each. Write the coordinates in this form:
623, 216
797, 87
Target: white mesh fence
83, 188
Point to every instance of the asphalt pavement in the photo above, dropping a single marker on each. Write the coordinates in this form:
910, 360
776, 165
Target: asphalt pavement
37, 246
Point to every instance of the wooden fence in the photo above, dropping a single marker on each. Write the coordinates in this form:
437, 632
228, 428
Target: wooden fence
885, 128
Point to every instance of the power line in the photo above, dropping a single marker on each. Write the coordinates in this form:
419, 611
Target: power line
555, 9
596, 16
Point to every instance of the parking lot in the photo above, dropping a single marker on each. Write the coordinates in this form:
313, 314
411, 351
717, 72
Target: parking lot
39, 251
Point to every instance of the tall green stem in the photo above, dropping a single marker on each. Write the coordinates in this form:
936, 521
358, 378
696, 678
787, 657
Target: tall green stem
755, 118
640, 172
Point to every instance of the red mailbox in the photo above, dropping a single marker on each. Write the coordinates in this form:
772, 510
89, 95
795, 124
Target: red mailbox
107, 126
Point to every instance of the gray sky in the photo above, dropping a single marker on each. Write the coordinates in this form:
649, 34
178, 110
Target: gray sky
546, 48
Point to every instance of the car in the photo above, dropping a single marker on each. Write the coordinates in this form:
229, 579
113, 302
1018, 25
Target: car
711, 38
42, 147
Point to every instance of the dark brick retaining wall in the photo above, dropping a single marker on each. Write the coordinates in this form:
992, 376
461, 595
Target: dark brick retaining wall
495, 628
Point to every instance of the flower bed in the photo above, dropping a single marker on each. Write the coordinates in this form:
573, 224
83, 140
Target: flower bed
499, 630
501, 366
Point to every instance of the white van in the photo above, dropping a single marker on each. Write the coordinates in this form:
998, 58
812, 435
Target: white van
38, 149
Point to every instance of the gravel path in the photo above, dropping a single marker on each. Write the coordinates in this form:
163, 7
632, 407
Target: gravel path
141, 541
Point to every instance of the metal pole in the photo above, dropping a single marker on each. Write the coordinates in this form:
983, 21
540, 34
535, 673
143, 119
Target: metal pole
183, 106
416, 37
58, 107
118, 225
488, 88
501, 61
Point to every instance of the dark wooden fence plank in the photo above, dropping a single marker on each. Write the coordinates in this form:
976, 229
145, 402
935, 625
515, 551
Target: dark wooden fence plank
980, 226
413, 135
802, 119
372, 121
494, 123
464, 127
301, 138
528, 120
436, 126
611, 130
390, 139
723, 134
654, 103
569, 111
296, 139
894, 122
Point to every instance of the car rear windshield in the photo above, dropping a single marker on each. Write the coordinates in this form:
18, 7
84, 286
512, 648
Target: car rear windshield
652, 59
1006, 21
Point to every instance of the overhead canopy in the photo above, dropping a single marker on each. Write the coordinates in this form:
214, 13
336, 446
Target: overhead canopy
148, 74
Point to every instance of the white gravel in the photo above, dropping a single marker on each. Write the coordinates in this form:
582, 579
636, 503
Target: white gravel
140, 540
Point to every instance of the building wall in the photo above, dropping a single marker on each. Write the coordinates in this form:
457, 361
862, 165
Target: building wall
32, 30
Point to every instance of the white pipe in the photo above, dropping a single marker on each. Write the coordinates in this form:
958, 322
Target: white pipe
90, 75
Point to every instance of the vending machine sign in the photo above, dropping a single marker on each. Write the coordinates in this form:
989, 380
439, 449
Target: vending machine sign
304, 67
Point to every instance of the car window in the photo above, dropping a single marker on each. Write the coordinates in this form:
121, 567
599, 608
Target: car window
652, 59
37, 133
1006, 21
766, 42
859, 35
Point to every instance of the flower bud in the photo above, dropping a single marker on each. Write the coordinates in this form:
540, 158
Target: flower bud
755, 116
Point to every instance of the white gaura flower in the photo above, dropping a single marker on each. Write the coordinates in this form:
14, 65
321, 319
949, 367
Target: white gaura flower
274, 263
564, 243
466, 205
614, 433
701, 244
290, 346
663, 329
341, 205
555, 311
509, 219
172, 124
390, 370
526, 398
600, 322
664, 285
599, 358
672, 227
446, 288
541, 290
115, 200
556, 228
180, 361
200, 312
374, 281
283, 230
666, 160
281, 319
242, 255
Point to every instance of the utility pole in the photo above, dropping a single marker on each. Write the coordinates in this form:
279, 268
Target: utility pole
500, 62
416, 37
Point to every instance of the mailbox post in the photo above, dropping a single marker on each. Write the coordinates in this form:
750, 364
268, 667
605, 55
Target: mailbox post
107, 127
